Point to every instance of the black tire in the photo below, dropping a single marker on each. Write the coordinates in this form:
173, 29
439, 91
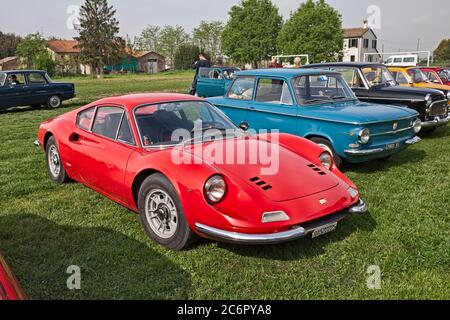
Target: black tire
183, 236
58, 176
327, 146
54, 102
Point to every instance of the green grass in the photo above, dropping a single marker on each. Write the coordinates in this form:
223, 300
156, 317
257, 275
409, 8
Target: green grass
45, 228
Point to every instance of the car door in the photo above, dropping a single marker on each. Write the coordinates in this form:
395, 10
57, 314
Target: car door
39, 89
211, 82
101, 149
14, 93
273, 107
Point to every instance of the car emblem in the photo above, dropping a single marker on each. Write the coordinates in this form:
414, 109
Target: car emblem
323, 201
395, 126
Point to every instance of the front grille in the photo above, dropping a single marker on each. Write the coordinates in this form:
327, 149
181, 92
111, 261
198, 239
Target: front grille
438, 108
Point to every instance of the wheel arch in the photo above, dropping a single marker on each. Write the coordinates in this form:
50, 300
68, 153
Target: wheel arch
139, 179
47, 136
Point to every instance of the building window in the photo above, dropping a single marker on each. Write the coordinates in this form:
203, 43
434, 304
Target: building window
366, 43
370, 59
353, 43
352, 58
374, 44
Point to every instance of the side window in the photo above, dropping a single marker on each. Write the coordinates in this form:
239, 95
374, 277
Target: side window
400, 77
125, 134
242, 89
273, 91
36, 78
84, 119
351, 76
433, 77
2, 78
204, 72
16, 80
107, 121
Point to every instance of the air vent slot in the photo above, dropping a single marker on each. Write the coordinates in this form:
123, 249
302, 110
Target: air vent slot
261, 183
254, 179
316, 169
267, 188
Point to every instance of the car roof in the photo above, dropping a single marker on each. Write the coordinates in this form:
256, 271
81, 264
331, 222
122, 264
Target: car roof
343, 64
130, 101
23, 71
284, 73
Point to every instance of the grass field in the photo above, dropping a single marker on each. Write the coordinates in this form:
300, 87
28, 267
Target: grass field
45, 228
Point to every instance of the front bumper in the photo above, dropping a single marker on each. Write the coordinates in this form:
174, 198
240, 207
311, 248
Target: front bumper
279, 237
437, 122
37, 143
376, 151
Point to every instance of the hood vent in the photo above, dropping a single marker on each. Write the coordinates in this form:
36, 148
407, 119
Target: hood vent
261, 183
316, 169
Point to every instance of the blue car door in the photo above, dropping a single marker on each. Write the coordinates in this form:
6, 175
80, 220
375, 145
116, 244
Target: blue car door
211, 83
14, 93
273, 107
38, 87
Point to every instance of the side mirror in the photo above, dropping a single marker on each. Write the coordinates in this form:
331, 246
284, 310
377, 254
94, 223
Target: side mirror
244, 126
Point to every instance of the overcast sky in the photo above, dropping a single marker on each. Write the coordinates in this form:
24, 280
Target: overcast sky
403, 22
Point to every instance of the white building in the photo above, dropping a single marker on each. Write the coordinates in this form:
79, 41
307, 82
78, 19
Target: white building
357, 42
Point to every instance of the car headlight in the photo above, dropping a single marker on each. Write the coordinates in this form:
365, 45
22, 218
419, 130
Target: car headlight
327, 160
353, 192
417, 126
448, 95
215, 189
428, 99
364, 136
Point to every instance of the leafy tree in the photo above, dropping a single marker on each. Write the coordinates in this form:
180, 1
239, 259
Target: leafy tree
207, 36
442, 52
314, 29
185, 55
33, 51
251, 32
172, 37
99, 42
150, 39
9, 42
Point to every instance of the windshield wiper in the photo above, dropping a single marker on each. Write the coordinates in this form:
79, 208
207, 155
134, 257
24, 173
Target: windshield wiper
317, 100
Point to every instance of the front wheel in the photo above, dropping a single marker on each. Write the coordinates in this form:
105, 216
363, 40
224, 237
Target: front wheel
162, 215
55, 168
54, 102
326, 145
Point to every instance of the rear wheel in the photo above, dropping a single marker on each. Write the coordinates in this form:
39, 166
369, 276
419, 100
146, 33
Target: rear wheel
325, 144
55, 168
162, 215
54, 102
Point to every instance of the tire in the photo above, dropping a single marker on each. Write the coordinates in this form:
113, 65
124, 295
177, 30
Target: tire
54, 102
55, 168
324, 143
166, 224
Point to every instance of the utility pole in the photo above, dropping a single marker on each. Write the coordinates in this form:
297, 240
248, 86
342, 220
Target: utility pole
418, 45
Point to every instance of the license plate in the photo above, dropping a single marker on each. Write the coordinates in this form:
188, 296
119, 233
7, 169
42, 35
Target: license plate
393, 146
324, 230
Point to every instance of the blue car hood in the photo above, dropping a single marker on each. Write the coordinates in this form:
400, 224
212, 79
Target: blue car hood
357, 112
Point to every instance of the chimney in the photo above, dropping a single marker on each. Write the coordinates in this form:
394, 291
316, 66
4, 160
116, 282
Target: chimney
366, 24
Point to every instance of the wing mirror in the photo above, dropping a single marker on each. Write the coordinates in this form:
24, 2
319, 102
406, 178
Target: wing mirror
244, 126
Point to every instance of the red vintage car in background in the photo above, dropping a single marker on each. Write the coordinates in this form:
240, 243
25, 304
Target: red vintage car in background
10, 288
128, 149
437, 75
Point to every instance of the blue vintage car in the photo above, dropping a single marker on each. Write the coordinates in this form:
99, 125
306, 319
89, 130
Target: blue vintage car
32, 88
319, 105
214, 82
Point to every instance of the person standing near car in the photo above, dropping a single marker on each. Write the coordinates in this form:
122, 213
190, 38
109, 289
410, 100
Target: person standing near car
202, 62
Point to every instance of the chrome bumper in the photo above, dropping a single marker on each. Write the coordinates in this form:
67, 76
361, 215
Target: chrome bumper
37, 143
437, 122
279, 237
369, 152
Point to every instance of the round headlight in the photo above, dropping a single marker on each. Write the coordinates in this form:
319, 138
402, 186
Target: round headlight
327, 160
215, 189
417, 126
364, 136
428, 99
448, 95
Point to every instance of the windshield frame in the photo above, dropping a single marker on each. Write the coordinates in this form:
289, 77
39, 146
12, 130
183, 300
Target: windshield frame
383, 68
181, 143
3, 81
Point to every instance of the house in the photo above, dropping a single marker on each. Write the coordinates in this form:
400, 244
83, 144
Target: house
140, 62
358, 42
10, 63
66, 53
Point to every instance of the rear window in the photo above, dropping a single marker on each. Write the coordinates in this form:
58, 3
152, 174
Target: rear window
84, 119
107, 121
36, 78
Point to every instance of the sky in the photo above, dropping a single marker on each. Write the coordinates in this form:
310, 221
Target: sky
401, 23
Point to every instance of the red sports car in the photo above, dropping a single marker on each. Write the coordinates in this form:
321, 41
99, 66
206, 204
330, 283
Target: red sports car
437, 75
10, 288
157, 154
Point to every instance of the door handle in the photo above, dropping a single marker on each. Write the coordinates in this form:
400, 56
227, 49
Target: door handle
74, 137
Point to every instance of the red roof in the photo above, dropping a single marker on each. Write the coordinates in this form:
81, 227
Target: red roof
355, 32
63, 46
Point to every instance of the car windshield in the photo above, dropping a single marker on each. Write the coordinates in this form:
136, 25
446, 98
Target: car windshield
2, 78
173, 123
316, 89
443, 74
378, 76
417, 75
229, 73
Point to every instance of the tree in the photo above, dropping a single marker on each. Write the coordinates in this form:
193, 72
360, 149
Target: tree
99, 42
251, 32
442, 52
207, 36
314, 29
33, 51
149, 40
185, 55
172, 37
9, 42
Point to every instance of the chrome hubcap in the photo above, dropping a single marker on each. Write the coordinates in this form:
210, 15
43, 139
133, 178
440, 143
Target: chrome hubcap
54, 161
161, 214
54, 102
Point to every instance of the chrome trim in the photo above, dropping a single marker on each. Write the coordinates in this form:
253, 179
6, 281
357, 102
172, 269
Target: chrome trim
366, 152
37, 143
393, 99
391, 132
414, 140
430, 107
360, 208
435, 123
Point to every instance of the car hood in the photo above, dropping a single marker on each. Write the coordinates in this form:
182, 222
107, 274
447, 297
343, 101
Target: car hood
286, 175
435, 86
416, 91
357, 112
